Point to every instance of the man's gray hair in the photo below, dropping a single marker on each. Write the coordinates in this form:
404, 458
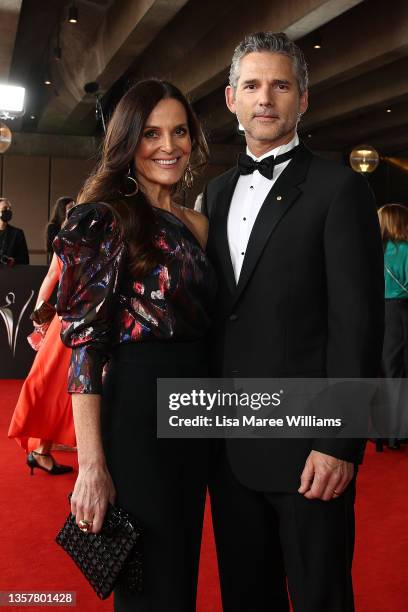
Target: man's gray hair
274, 42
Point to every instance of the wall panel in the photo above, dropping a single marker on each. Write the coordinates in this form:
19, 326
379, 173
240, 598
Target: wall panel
33, 184
68, 176
26, 185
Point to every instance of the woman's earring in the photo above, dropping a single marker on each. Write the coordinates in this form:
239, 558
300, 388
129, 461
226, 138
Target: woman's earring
188, 177
134, 184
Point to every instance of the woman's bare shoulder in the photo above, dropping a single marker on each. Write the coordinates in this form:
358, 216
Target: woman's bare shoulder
197, 223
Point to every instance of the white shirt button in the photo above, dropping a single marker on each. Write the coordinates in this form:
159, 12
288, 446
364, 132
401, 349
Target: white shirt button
246, 203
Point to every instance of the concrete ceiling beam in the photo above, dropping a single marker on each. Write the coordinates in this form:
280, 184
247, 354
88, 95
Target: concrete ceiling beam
127, 28
369, 37
9, 16
176, 41
362, 127
204, 69
358, 95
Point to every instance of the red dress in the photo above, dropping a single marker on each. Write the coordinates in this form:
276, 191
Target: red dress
44, 409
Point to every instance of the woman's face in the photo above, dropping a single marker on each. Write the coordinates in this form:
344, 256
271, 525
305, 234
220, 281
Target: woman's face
165, 147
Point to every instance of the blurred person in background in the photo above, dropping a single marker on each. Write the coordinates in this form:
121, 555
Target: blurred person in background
43, 413
61, 208
13, 245
394, 230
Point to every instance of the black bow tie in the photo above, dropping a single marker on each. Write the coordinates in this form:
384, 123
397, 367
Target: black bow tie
247, 165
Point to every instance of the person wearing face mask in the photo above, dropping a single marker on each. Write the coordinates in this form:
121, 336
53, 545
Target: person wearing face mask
13, 245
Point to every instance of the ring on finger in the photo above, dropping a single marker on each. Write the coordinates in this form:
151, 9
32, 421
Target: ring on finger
85, 525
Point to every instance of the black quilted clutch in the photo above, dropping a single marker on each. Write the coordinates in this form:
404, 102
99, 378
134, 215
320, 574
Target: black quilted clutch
106, 558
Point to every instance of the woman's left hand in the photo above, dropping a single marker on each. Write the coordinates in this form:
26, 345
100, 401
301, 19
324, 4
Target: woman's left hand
93, 490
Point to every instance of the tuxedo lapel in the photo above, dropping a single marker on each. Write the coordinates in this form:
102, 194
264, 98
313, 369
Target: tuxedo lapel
219, 229
279, 200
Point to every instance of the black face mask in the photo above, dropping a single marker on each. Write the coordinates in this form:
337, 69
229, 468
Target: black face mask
6, 215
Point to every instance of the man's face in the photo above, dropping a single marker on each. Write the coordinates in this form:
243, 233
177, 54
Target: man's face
267, 101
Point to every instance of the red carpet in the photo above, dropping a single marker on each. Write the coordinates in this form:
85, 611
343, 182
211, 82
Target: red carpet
33, 509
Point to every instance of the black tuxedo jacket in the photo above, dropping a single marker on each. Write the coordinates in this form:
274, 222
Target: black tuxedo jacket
15, 245
309, 301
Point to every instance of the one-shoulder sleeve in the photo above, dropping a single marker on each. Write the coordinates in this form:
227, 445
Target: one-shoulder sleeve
91, 249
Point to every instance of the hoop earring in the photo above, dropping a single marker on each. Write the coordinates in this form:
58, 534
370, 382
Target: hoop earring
188, 177
135, 185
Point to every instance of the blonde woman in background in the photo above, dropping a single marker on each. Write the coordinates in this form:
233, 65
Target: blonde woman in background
394, 230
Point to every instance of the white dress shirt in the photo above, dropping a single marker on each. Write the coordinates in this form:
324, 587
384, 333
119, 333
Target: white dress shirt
249, 195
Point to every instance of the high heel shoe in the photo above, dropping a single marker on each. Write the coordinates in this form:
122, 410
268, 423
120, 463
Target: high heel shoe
393, 444
56, 469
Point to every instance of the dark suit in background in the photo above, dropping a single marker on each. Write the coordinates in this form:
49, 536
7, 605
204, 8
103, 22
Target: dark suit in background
14, 245
309, 303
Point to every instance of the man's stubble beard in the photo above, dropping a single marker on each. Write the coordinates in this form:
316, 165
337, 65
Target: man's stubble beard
281, 132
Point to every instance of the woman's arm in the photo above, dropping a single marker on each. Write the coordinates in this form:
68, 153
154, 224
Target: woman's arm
49, 282
91, 248
94, 487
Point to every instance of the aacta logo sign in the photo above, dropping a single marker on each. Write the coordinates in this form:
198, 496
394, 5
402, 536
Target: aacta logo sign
12, 318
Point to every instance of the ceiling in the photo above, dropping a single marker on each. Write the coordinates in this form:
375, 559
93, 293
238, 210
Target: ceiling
360, 72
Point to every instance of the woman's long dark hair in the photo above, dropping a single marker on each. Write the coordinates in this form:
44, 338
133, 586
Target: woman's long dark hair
108, 181
60, 209
56, 220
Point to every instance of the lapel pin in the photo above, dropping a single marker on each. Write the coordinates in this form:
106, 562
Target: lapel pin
278, 197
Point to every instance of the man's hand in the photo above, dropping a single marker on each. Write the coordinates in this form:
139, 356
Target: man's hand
325, 477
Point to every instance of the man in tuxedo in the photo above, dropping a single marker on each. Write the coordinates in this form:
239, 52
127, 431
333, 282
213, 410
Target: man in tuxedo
296, 244
13, 246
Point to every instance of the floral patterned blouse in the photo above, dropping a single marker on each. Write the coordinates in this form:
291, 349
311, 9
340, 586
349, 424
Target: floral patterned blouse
101, 305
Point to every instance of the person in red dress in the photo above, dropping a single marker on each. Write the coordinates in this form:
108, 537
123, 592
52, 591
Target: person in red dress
43, 413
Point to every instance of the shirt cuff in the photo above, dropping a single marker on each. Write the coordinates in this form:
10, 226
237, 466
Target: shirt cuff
85, 371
